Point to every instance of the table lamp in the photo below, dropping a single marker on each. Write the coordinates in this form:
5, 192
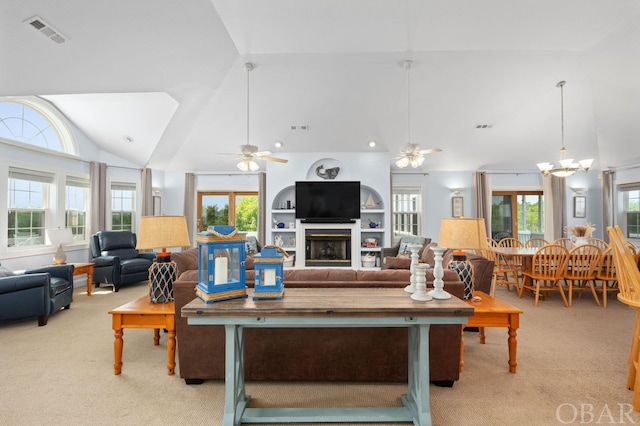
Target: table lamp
162, 232
58, 237
462, 233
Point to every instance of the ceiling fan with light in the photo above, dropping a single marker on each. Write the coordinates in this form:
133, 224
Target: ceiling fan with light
248, 152
411, 153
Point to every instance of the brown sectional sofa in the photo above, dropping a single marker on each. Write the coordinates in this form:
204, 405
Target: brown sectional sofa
314, 354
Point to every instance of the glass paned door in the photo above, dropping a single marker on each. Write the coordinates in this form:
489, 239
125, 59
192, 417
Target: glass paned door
502, 220
228, 208
214, 210
517, 215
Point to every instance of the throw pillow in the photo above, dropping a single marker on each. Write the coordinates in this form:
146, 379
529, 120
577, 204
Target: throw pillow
251, 246
409, 240
397, 262
4, 272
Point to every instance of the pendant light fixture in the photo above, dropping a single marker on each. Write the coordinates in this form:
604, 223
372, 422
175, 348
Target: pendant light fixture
566, 166
411, 154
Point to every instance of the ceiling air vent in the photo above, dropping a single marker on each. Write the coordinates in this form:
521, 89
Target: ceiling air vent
45, 29
484, 126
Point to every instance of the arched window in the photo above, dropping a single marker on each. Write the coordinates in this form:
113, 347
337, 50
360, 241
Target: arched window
33, 121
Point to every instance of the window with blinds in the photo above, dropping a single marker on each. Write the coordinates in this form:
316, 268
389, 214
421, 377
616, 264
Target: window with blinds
27, 203
407, 212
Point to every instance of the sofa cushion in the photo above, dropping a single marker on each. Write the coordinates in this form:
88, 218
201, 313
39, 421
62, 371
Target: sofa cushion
185, 260
319, 275
397, 262
133, 266
123, 253
58, 285
113, 240
427, 254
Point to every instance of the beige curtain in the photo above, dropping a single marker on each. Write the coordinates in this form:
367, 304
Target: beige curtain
190, 205
482, 198
607, 199
555, 207
262, 207
147, 192
98, 189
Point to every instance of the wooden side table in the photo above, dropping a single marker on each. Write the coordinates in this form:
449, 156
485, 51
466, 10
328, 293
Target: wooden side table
141, 313
491, 312
80, 268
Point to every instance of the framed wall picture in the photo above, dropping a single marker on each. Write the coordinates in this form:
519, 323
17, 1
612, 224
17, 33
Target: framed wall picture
579, 206
157, 210
457, 206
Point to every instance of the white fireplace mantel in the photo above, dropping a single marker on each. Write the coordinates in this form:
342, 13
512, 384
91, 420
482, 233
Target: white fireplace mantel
301, 240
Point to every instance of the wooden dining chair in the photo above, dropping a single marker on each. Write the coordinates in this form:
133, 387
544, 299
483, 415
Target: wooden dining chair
547, 268
503, 272
510, 242
513, 261
600, 243
535, 243
629, 286
564, 242
580, 271
606, 275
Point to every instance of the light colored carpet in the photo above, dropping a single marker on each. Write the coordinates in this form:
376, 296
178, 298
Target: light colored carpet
572, 369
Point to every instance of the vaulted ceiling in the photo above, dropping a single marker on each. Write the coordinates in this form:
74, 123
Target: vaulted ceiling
170, 76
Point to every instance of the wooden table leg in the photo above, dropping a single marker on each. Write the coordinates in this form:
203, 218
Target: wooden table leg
461, 368
483, 338
89, 280
156, 336
514, 323
117, 344
171, 351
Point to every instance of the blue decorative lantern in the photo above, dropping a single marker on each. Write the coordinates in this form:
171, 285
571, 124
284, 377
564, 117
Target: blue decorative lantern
221, 264
269, 274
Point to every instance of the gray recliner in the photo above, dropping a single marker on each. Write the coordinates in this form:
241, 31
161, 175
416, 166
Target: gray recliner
116, 259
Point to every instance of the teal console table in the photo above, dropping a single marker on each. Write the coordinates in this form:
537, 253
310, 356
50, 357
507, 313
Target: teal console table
335, 307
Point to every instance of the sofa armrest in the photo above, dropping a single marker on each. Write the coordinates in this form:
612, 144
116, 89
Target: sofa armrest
58, 271
105, 261
25, 281
148, 256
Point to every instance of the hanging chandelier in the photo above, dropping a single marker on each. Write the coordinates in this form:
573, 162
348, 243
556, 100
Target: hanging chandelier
566, 166
411, 154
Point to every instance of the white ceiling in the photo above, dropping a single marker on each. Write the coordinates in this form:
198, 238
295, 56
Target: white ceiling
170, 75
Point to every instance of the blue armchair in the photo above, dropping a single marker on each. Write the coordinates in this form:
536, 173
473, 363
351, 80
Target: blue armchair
38, 292
116, 259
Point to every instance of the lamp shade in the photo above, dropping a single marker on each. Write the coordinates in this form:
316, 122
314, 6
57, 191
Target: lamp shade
463, 233
59, 236
162, 232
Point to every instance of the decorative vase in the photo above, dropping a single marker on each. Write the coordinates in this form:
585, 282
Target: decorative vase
580, 241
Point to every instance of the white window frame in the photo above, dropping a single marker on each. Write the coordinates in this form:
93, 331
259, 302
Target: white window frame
408, 190
36, 176
623, 190
77, 182
123, 185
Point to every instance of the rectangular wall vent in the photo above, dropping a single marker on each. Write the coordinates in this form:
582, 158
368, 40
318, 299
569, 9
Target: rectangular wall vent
484, 126
45, 29
302, 127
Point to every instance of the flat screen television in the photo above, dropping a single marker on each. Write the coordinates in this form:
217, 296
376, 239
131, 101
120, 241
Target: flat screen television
318, 201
